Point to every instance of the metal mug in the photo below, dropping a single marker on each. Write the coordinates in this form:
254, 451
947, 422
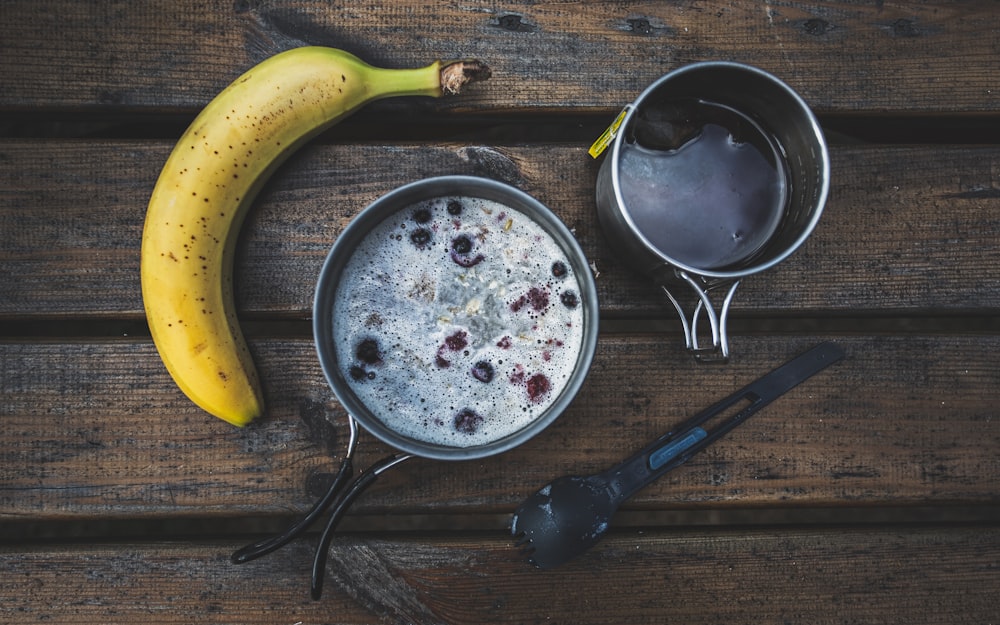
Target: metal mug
691, 246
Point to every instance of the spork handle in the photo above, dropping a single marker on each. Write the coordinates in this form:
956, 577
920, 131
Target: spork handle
677, 446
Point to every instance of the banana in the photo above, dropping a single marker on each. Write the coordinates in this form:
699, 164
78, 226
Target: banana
207, 185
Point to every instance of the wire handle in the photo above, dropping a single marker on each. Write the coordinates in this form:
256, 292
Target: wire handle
359, 485
268, 545
718, 351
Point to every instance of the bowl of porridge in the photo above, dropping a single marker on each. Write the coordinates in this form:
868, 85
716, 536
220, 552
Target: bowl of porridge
455, 317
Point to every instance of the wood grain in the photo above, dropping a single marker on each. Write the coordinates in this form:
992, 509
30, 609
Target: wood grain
906, 229
98, 430
867, 495
842, 56
935, 576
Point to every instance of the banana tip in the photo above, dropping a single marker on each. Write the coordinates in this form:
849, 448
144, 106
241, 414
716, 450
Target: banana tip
456, 74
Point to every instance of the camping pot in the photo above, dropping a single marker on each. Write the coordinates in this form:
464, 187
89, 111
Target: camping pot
410, 223
716, 172
401, 200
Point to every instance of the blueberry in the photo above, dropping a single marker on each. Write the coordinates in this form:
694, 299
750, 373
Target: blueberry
420, 237
467, 421
422, 215
369, 352
569, 299
357, 373
558, 269
454, 208
483, 371
461, 244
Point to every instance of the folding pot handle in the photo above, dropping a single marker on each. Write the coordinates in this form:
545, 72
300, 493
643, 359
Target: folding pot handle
719, 349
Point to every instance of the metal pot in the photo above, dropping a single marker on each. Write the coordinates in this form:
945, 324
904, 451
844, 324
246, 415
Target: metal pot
794, 141
340, 493
398, 200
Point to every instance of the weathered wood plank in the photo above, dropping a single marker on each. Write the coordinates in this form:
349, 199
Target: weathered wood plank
93, 430
98, 430
917, 575
842, 56
907, 229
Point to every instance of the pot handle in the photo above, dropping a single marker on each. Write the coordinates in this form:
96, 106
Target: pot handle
266, 546
358, 486
719, 349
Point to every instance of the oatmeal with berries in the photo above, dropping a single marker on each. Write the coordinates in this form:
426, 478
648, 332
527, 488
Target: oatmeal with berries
457, 321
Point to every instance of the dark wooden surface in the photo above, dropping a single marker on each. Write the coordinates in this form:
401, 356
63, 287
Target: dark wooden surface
713, 576
867, 495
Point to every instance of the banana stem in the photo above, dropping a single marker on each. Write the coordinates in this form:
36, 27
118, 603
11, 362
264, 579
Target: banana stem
456, 74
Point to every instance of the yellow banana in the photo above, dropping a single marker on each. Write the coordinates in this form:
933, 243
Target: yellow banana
208, 183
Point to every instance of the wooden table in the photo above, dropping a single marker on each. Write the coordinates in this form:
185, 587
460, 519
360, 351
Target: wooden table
867, 495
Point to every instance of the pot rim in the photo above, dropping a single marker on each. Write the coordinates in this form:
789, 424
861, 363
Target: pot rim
823, 158
395, 201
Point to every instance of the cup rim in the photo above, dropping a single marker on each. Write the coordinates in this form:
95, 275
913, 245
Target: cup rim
822, 158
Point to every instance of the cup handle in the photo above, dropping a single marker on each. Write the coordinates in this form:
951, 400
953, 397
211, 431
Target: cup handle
719, 350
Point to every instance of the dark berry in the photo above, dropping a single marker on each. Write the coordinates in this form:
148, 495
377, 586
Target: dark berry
441, 361
558, 269
461, 244
537, 298
483, 371
454, 208
467, 261
517, 377
461, 248
420, 237
467, 421
504, 343
368, 352
457, 341
569, 299
538, 387
422, 215
357, 373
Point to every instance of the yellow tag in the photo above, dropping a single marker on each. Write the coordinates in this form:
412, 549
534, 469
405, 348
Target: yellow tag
607, 136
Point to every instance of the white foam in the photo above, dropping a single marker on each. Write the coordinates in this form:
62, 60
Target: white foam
419, 303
